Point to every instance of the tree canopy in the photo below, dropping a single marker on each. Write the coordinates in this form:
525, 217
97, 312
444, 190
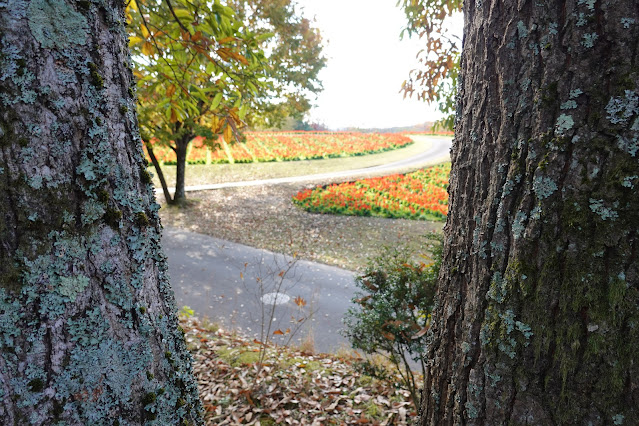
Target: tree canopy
202, 71
436, 80
294, 59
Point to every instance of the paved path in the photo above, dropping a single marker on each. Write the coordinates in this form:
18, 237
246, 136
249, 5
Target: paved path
221, 280
438, 151
227, 282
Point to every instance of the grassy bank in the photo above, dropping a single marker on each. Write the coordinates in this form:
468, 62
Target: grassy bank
265, 217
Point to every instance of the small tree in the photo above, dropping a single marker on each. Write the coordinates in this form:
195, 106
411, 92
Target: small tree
393, 311
198, 69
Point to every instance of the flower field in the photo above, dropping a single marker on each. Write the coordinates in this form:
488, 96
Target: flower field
418, 195
286, 146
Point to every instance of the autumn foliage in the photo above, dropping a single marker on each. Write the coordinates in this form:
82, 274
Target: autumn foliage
418, 195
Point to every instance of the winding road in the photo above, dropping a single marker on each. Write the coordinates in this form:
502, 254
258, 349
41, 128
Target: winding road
241, 287
438, 150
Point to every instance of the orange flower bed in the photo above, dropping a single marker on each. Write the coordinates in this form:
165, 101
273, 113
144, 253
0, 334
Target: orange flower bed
287, 146
418, 195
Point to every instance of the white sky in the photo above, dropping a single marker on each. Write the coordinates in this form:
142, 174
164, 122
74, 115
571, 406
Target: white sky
367, 64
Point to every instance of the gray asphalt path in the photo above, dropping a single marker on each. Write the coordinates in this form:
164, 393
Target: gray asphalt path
227, 282
437, 152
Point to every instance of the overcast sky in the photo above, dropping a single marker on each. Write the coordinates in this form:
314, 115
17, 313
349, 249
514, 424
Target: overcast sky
367, 64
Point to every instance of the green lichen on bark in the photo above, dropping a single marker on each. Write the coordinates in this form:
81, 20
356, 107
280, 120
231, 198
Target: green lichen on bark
72, 286
54, 23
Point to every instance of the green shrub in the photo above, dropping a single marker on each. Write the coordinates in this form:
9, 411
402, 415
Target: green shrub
392, 312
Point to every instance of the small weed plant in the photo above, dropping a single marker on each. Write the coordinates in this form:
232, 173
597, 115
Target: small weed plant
392, 309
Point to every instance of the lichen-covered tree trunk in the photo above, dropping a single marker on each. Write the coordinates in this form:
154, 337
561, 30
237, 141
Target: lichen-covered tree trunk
536, 319
88, 331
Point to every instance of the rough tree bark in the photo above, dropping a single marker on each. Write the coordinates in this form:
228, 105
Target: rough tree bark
181, 147
87, 317
537, 320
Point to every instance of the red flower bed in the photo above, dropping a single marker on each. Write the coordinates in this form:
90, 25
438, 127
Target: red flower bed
418, 195
286, 146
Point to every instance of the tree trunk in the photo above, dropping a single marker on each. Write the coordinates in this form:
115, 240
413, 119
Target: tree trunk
158, 170
87, 316
181, 145
536, 319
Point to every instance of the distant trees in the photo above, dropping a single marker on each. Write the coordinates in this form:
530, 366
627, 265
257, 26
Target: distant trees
536, 319
436, 80
294, 58
88, 325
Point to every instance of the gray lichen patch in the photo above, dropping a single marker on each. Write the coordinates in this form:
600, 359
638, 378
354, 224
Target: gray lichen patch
72, 286
54, 23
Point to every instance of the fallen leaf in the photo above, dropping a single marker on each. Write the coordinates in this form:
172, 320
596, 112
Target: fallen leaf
388, 335
420, 333
299, 301
369, 285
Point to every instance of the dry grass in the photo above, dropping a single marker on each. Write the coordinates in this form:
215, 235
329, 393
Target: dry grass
264, 217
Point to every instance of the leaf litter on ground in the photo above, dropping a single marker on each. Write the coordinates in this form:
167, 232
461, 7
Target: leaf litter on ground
291, 386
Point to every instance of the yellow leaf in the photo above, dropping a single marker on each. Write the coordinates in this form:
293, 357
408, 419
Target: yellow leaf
388, 335
147, 48
226, 40
228, 134
135, 40
219, 124
234, 116
228, 53
174, 116
170, 90
420, 333
144, 31
363, 299
241, 58
224, 53
371, 286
